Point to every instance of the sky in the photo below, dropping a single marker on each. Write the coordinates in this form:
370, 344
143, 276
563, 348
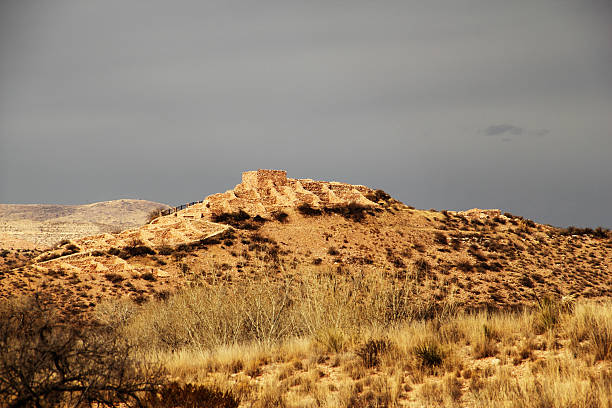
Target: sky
443, 104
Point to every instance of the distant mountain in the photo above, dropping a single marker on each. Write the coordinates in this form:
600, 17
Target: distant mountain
47, 224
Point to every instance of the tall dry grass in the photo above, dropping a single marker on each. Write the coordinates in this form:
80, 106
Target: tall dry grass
334, 340
330, 307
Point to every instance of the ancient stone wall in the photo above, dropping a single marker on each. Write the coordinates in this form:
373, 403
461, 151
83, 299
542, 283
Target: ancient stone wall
262, 192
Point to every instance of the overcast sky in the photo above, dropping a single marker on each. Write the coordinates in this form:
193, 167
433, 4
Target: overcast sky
444, 104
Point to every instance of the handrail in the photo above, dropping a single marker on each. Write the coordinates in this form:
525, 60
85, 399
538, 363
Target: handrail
179, 208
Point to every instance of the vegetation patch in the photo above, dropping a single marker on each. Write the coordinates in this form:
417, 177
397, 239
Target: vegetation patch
240, 220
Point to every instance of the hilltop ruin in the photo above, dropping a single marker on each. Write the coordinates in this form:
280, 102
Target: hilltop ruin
262, 192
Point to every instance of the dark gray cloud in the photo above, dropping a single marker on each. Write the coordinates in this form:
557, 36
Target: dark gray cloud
497, 130
506, 131
170, 101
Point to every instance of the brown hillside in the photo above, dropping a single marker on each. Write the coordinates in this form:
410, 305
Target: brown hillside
270, 224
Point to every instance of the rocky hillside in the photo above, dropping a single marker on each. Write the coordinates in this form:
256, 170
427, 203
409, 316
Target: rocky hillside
274, 226
45, 224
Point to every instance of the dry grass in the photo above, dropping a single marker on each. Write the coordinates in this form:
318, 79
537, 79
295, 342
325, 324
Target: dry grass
332, 341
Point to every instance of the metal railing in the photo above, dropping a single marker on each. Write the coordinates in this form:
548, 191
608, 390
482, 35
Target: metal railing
179, 208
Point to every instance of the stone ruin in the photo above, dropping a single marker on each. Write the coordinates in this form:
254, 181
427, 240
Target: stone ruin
262, 192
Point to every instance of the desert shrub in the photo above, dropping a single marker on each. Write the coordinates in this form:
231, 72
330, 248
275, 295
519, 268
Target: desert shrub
208, 317
47, 363
465, 265
526, 281
419, 246
478, 254
332, 251
114, 277
550, 310
372, 350
280, 216
396, 261
378, 195
308, 210
191, 396
332, 339
165, 250
317, 261
272, 308
429, 354
259, 219
599, 232
351, 211
485, 345
256, 237
148, 276
237, 216
422, 266
72, 248
153, 215
239, 219
590, 330
136, 250
600, 338
557, 383
440, 238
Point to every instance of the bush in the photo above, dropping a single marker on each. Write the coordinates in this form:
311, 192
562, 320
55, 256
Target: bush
72, 248
191, 396
372, 350
429, 354
165, 250
351, 211
600, 338
422, 266
47, 363
280, 216
599, 232
270, 308
148, 276
485, 345
440, 238
465, 265
550, 311
239, 219
136, 249
114, 277
153, 215
378, 195
332, 339
333, 251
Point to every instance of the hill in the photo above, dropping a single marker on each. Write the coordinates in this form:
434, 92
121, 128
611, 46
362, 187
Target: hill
272, 224
302, 293
47, 224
